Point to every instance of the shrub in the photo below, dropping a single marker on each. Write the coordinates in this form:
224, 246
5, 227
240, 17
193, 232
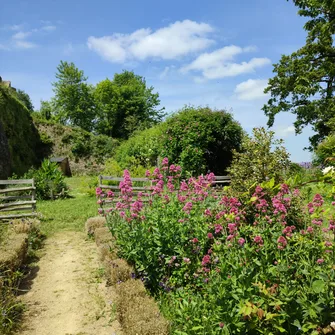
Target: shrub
325, 152
200, 140
223, 266
49, 181
142, 149
261, 158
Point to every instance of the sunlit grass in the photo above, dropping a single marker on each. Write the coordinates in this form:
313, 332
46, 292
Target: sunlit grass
68, 214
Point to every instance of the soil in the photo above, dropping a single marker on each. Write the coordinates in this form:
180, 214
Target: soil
65, 293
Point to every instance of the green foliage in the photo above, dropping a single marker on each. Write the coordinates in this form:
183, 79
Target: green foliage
49, 181
85, 144
25, 145
125, 104
304, 80
200, 140
261, 158
221, 266
74, 103
325, 152
143, 148
25, 99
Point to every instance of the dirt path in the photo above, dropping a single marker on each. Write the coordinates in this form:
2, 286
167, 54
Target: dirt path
68, 295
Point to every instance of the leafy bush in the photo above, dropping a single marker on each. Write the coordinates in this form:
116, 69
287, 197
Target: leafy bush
200, 139
142, 149
261, 158
223, 266
49, 181
325, 152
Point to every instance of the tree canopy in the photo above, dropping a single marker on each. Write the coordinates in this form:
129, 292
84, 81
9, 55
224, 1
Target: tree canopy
74, 103
304, 82
125, 104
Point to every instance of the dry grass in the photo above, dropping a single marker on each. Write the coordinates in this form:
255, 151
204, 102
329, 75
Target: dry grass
102, 235
107, 252
24, 226
118, 271
137, 312
13, 252
93, 223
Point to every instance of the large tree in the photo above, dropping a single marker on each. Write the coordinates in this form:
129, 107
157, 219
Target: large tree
304, 82
125, 104
73, 97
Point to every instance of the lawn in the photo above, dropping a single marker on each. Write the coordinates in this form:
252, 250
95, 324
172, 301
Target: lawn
70, 213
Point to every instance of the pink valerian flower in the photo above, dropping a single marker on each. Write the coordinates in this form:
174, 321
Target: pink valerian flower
279, 207
320, 260
318, 200
210, 177
147, 173
166, 198
288, 230
282, 242
221, 324
98, 191
328, 251
136, 206
230, 237
182, 198
170, 186
317, 222
206, 260
165, 161
258, 239
328, 244
303, 232
207, 212
284, 189
186, 260
99, 202
195, 240
218, 228
232, 228
100, 210
183, 186
331, 227
241, 241
310, 229
122, 214
188, 207
110, 194
210, 236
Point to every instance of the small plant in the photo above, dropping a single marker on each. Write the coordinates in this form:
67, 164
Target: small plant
49, 181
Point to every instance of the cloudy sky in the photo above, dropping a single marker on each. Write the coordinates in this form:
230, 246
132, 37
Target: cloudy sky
217, 53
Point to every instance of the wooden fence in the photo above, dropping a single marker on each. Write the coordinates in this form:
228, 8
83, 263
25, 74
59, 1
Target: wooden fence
17, 196
146, 185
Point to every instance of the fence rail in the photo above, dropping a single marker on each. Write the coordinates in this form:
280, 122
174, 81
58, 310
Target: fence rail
15, 202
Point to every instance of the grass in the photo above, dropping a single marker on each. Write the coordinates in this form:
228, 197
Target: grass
68, 214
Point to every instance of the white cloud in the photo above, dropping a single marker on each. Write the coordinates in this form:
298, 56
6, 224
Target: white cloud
24, 44
165, 72
14, 27
4, 47
21, 35
251, 89
220, 63
176, 40
284, 131
48, 28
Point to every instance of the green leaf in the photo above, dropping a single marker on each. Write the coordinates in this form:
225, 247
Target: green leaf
318, 286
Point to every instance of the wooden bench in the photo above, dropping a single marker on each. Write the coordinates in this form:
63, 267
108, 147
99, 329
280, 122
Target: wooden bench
17, 196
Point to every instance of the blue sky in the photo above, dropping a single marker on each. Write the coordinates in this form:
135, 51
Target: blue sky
214, 53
